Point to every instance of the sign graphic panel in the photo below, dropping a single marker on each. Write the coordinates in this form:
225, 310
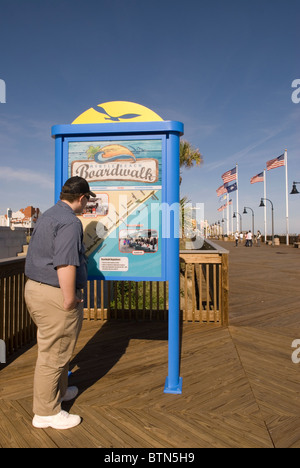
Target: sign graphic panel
122, 225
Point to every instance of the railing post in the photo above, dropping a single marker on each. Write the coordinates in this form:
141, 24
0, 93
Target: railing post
225, 291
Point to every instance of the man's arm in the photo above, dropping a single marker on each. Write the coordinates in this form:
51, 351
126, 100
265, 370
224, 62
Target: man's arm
67, 281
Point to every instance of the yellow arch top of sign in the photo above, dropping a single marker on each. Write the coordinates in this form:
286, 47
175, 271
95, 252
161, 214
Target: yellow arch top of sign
117, 111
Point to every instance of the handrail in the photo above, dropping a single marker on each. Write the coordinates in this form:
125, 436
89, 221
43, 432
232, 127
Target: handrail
204, 293
16, 327
12, 260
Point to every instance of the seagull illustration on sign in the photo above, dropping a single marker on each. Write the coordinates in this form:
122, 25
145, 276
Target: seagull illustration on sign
101, 110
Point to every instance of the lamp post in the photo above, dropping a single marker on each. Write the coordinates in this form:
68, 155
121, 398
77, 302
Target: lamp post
245, 212
294, 189
262, 205
234, 216
218, 228
223, 221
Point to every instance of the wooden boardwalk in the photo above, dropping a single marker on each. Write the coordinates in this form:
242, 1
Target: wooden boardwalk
240, 386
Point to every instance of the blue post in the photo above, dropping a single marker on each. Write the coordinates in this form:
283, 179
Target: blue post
173, 382
58, 168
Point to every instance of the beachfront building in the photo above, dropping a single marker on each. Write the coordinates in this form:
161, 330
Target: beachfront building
25, 217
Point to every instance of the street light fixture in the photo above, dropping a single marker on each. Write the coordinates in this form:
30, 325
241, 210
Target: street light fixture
294, 189
245, 212
262, 205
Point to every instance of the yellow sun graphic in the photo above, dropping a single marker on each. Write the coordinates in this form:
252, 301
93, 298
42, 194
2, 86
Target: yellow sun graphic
117, 111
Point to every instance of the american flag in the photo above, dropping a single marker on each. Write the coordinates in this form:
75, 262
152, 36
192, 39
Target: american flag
277, 162
229, 176
221, 190
257, 178
225, 206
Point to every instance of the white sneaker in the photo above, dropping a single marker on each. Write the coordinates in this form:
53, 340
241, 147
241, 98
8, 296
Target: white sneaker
62, 420
70, 394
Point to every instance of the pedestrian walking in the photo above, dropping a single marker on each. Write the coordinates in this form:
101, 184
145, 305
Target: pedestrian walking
57, 271
249, 239
236, 238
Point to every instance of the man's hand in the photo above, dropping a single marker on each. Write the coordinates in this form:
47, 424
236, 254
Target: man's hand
67, 281
73, 304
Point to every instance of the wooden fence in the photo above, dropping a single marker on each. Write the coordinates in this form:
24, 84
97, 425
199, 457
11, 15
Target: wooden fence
203, 293
204, 286
203, 296
16, 326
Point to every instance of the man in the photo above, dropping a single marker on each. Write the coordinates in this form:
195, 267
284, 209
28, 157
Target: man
249, 239
56, 271
236, 238
258, 238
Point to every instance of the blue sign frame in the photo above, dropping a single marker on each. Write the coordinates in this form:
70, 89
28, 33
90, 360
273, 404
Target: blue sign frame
168, 132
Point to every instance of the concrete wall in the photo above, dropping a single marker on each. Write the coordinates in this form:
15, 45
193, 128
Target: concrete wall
11, 242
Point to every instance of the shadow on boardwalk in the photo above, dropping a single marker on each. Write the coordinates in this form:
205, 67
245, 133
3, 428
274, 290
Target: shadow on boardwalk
240, 386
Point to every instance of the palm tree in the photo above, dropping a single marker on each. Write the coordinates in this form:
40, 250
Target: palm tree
189, 156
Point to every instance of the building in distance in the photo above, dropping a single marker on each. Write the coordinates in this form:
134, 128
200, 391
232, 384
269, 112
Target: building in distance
25, 217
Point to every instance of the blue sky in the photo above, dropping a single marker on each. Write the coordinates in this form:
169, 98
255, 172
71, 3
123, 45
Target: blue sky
223, 68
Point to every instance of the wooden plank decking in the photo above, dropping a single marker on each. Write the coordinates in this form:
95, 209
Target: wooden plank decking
240, 386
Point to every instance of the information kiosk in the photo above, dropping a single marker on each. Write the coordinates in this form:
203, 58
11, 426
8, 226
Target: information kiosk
130, 157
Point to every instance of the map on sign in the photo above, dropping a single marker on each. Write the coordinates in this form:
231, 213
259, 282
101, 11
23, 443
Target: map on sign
122, 225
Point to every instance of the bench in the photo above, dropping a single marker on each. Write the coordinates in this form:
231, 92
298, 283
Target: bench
297, 245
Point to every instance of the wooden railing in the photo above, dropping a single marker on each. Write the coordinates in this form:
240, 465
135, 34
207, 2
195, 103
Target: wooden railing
205, 286
203, 296
126, 300
16, 326
203, 293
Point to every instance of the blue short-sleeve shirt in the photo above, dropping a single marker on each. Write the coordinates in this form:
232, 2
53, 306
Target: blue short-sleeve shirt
57, 240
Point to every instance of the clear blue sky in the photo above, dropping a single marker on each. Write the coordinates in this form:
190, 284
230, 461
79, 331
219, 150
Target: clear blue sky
223, 68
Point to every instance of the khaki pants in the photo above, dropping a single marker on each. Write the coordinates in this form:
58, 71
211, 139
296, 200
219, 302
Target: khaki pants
58, 331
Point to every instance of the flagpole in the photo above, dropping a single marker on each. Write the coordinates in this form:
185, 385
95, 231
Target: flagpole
227, 199
265, 209
286, 197
237, 198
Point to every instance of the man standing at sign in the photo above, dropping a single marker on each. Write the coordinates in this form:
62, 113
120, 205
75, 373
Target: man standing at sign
56, 268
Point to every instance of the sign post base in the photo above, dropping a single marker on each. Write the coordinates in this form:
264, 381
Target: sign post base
176, 390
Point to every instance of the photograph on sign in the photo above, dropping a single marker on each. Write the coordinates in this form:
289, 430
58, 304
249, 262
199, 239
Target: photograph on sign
98, 206
138, 241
